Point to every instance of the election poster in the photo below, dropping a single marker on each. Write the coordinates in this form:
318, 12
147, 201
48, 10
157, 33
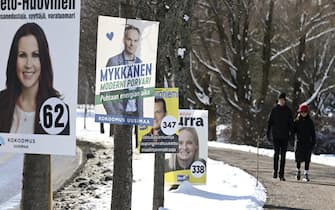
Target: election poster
125, 71
38, 76
189, 164
162, 135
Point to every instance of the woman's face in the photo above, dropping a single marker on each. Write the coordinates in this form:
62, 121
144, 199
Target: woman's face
187, 146
28, 62
304, 114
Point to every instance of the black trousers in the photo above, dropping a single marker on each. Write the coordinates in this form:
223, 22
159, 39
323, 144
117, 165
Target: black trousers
307, 162
280, 148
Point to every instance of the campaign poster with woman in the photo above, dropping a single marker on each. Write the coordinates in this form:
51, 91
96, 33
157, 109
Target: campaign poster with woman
125, 71
38, 76
190, 162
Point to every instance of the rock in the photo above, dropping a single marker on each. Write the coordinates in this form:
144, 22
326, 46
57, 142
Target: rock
80, 179
108, 178
92, 188
107, 171
96, 172
83, 185
90, 155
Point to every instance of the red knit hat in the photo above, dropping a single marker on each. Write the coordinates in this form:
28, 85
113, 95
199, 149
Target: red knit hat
303, 108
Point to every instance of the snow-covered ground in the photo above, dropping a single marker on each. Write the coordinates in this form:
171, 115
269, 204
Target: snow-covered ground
227, 187
321, 159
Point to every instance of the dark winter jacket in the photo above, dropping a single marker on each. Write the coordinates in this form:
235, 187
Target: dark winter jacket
280, 123
305, 131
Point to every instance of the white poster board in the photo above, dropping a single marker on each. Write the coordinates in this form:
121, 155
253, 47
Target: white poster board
53, 28
125, 71
190, 163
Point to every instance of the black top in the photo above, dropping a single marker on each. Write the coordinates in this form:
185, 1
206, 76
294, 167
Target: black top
280, 122
305, 130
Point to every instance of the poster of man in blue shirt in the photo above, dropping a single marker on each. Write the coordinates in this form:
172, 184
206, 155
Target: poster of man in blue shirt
125, 83
134, 106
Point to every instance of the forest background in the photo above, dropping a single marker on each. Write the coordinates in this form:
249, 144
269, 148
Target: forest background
231, 57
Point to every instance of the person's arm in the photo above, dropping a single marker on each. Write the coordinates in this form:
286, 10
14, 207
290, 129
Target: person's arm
270, 123
295, 125
138, 60
109, 62
313, 136
291, 126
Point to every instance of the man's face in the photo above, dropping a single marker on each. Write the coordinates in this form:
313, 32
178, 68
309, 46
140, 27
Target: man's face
159, 115
131, 41
281, 101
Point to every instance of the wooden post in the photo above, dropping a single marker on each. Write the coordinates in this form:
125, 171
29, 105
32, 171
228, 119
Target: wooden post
122, 169
36, 189
158, 199
123, 154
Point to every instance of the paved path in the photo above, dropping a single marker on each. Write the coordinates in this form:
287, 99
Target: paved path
10, 176
317, 194
11, 165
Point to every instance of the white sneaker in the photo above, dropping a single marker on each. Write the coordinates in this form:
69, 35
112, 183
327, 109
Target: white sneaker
306, 178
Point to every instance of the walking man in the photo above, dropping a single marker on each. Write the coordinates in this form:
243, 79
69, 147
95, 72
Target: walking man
280, 130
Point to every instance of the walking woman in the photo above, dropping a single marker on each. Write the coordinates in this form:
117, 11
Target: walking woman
305, 141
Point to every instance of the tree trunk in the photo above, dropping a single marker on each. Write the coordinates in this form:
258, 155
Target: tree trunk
102, 128
174, 33
236, 128
296, 81
266, 56
36, 190
111, 130
244, 129
211, 122
122, 169
158, 198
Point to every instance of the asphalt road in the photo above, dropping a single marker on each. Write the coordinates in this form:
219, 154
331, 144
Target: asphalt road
11, 165
317, 194
10, 175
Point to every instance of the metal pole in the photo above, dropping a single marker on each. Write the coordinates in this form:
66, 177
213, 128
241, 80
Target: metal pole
257, 168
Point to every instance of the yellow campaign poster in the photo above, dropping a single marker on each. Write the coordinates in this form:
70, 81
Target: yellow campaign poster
189, 164
162, 136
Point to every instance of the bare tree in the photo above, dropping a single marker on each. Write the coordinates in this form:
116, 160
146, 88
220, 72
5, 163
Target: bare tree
90, 10
122, 168
254, 57
229, 61
172, 66
307, 57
